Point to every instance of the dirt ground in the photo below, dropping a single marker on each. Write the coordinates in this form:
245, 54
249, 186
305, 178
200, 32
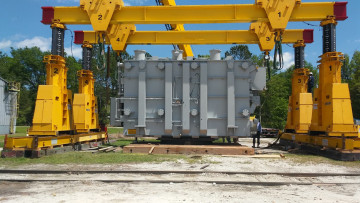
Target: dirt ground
86, 189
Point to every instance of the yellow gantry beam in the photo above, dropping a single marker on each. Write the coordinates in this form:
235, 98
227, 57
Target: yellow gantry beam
196, 14
195, 37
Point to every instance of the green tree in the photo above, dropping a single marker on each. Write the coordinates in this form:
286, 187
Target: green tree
239, 52
275, 101
102, 82
354, 84
346, 69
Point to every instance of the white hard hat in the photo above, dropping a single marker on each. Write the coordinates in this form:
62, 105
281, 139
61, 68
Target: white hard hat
310, 73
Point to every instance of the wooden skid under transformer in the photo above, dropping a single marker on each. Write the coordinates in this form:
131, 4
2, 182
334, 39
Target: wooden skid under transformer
189, 149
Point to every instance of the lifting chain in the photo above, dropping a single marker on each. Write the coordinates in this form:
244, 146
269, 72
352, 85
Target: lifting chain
101, 54
267, 63
278, 52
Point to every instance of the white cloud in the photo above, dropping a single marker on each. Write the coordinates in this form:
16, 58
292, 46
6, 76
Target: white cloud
4, 44
76, 52
43, 43
288, 60
357, 40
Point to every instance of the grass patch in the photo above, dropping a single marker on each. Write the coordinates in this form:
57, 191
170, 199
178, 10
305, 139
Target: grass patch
20, 132
98, 158
115, 130
309, 159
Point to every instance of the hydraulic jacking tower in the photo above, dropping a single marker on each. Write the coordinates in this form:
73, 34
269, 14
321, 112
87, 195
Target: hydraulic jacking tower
332, 131
300, 101
332, 113
53, 107
86, 117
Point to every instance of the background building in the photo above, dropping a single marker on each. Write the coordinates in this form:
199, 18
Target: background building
8, 106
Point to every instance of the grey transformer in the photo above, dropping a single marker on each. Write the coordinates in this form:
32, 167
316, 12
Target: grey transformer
187, 98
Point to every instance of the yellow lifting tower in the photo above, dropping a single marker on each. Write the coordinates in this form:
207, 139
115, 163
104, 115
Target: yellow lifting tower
53, 107
86, 117
300, 102
332, 113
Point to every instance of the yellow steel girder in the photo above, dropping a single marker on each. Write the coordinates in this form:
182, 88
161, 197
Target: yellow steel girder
194, 37
195, 14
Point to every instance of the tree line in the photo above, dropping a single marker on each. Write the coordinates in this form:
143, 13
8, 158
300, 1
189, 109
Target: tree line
25, 65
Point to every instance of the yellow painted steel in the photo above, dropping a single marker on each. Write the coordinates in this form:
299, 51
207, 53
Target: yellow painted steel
31, 142
53, 107
278, 11
266, 37
100, 12
195, 14
332, 112
324, 141
300, 103
118, 35
179, 27
85, 110
194, 37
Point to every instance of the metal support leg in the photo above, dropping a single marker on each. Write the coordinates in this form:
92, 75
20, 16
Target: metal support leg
57, 45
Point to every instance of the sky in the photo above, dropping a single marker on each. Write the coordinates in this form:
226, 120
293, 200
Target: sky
21, 27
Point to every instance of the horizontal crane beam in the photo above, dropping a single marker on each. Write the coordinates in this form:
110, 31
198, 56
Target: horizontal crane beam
197, 14
195, 37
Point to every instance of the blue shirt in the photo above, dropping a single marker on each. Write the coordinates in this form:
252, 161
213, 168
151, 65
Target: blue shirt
259, 127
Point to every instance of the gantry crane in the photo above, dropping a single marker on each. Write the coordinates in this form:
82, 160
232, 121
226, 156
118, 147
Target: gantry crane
112, 20
105, 15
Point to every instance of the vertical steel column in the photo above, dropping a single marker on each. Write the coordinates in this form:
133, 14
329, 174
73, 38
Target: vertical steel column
57, 45
168, 98
203, 98
186, 99
142, 100
231, 100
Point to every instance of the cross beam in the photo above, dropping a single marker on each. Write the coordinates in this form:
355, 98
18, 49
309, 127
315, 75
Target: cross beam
195, 37
197, 14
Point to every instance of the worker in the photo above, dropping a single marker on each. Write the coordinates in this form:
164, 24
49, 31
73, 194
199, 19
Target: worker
257, 135
310, 83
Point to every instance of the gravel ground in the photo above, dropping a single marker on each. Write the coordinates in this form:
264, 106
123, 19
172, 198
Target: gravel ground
88, 190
